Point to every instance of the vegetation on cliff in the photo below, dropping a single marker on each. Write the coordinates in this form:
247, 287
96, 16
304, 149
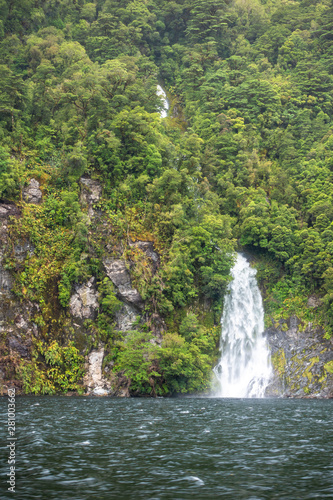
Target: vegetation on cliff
244, 156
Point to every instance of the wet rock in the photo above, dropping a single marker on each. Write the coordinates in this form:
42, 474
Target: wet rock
32, 192
20, 251
117, 272
6, 281
16, 344
121, 386
7, 210
15, 315
300, 358
84, 301
123, 392
95, 383
157, 326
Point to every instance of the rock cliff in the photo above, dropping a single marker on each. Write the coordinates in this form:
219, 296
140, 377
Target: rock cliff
22, 326
302, 359
301, 356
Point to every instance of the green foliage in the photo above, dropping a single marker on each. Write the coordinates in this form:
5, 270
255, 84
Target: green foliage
53, 369
136, 361
180, 365
10, 171
108, 300
186, 363
244, 157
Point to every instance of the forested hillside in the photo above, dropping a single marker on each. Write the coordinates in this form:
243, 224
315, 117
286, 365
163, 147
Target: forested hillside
243, 160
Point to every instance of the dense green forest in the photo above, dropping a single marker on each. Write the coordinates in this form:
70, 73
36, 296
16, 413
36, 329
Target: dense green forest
243, 160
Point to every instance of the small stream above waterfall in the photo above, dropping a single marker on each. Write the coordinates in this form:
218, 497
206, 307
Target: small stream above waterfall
244, 368
164, 111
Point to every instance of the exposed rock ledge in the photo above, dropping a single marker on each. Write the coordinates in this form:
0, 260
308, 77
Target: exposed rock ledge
91, 192
94, 381
32, 192
302, 359
120, 277
126, 317
84, 301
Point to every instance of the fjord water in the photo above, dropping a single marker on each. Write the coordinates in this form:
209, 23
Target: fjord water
244, 368
83, 448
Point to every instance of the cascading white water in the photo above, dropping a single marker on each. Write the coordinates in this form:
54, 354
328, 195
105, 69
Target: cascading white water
244, 369
160, 92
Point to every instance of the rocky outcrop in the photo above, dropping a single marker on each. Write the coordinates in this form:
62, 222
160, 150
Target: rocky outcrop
302, 360
32, 192
7, 210
84, 302
94, 381
117, 272
19, 317
91, 192
126, 318
157, 325
314, 302
20, 346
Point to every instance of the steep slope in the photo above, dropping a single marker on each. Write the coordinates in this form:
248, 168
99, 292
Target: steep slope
119, 225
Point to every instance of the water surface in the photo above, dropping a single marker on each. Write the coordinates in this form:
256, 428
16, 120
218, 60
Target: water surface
103, 448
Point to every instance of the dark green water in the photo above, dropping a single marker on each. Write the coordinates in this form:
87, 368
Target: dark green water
103, 448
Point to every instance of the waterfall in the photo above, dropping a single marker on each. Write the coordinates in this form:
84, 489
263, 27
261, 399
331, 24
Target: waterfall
244, 369
160, 92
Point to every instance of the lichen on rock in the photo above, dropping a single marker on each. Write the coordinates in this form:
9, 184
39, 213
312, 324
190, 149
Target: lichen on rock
300, 356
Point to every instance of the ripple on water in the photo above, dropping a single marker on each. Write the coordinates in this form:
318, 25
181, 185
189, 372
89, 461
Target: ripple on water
174, 449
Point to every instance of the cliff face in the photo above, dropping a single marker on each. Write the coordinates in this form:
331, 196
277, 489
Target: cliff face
302, 360
22, 330
16, 327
